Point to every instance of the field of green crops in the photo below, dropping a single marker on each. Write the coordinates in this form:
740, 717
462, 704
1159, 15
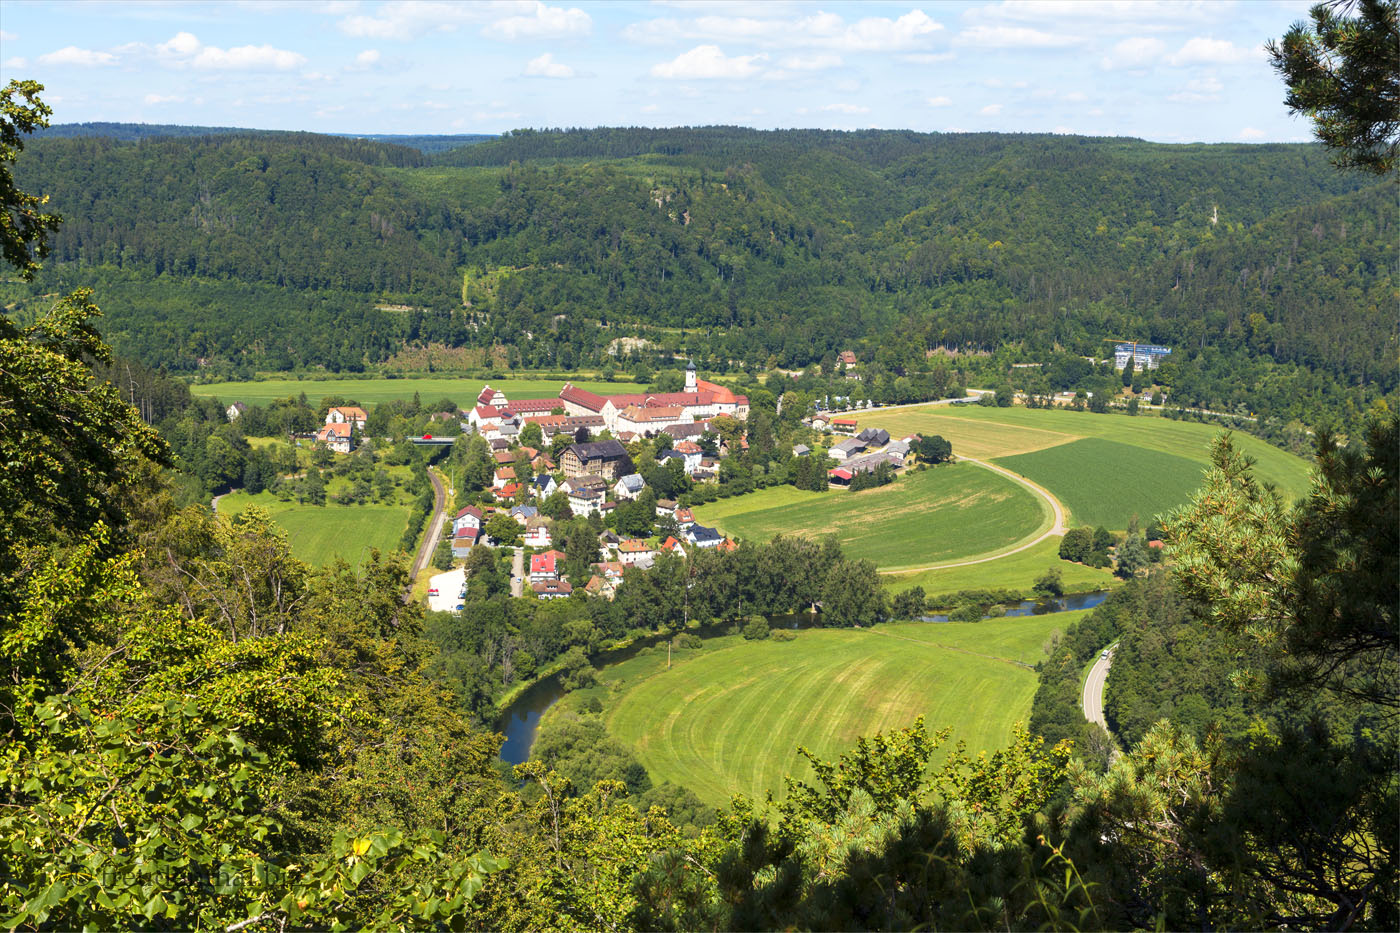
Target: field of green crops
320, 534
728, 718
945, 513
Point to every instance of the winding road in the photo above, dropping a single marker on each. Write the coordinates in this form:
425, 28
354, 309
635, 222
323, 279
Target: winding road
1092, 700
1057, 528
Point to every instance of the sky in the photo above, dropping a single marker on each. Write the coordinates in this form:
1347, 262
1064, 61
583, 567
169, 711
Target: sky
1178, 71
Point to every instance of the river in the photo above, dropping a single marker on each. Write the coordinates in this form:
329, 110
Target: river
521, 720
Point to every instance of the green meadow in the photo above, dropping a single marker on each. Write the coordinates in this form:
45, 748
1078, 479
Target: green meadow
1017, 571
462, 389
945, 513
729, 717
1105, 482
319, 534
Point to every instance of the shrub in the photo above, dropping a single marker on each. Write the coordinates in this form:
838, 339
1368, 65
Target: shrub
756, 629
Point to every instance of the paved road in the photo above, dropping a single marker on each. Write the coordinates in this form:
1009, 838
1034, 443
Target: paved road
430, 540
1092, 700
517, 573
214, 504
1057, 528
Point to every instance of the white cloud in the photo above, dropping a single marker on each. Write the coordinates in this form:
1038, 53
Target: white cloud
405, 19
1133, 53
650, 108
1076, 97
1206, 51
707, 61
72, 55
542, 22
845, 108
179, 45
1004, 37
546, 67
368, 58
817, 62
940, 101
1198, 91
1250, 132
929, 58
990, 110
7, 36
1151, 14
247, 58
16, 63
911, 31
163, 99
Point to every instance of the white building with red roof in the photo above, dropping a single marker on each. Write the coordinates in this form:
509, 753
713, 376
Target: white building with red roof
347, 414
699, 401
546, 566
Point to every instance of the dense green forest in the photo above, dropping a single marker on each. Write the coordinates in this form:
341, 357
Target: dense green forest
229, 254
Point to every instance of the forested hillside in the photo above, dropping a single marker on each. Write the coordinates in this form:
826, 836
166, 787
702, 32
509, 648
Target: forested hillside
745, 248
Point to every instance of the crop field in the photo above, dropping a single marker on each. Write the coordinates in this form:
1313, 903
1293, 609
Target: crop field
1017, 571
728, 718
949, 512
1105, 482
1003, 432
462, 390
320, 534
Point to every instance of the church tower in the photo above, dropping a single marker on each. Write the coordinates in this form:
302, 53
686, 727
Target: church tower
690, 385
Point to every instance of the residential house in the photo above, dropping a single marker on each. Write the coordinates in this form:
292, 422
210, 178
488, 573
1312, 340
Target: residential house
463, 540
665, 507
703, 537
673, 545
609, 540
606, 458
692, 453
523, 513
503, 457
685, 517
597, 586
846, 449
844, 425
468, 517
234, 410
584, 500
546, 566
636, 553
347, 414
504, 477
630, 486
338, 437
687, 432
498, 444
552, 589
537, 532
507, 492
611, 570
819, 421
847, 358
898, 450
544, 486
801, 450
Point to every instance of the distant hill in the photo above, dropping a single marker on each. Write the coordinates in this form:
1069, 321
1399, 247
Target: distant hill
138, 132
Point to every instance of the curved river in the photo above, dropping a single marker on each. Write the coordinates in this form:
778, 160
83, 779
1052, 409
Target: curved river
521, 719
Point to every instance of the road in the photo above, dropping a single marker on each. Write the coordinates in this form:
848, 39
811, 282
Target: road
1092, 700
517, 573
425, 550
1057, 528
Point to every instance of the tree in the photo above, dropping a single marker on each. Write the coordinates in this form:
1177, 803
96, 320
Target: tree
1050, 584
852, 594
1132, 555
24, 227
933, 449
1128, 370
1077, 544
503, 529
1005, 395
532, 436
1343, 73
908, 604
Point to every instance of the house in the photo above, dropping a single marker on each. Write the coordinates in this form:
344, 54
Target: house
665, 507
463, 540
338, 437
630, 486
727, 545
685, 517
537, 533
498, 443
544, 486
687, 432
234, 410
606, 458
801, 450
546, 566
844, 425
491, 397
542, 464
673, 545
523, 513
819, 422
840, 476
1143, 355
635, 553
664, 457
703, 537
875, 437
552, 589
507, 492
585, 501
347, 414
611, 570
847, 358
642, 420
468, 517
898, 450
503, 457
504, 477
692, 453
846, 449
597, 586
609, 540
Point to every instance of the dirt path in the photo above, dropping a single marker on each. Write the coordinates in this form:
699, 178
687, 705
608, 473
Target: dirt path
1057, 528
214, 503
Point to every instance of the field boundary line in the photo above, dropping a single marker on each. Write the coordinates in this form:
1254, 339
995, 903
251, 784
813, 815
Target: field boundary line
1057, 527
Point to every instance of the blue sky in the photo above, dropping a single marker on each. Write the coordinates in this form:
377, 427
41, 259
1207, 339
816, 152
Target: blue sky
1169, 71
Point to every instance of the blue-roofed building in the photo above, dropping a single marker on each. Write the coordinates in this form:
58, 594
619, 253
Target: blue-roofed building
1143, 355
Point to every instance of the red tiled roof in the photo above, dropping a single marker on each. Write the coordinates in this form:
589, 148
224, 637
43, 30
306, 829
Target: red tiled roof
840, 473
335, 430
472, 533
589, 400
487, 394
633, 546
542, 563
469, 510
487, 413
541, 406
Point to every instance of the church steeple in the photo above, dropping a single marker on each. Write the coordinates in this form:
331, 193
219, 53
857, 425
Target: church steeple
690, 385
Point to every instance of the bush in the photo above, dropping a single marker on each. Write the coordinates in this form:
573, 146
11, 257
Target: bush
756, 629
783, 634
687, 640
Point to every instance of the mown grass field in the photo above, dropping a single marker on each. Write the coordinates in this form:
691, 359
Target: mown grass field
1003, 432
1106, 483
1014, 572
461, 390
320, 534
945, 513
728, 718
